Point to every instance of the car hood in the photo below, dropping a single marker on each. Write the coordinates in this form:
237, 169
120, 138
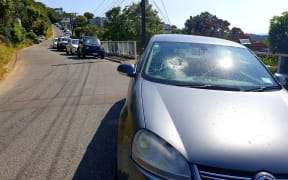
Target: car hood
225, 129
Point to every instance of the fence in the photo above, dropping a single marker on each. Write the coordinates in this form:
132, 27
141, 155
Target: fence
126, 49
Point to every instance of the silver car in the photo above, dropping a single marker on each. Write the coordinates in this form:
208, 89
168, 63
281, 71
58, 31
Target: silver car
202, 108
72, 46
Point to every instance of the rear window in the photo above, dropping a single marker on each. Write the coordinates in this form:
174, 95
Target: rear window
91, 40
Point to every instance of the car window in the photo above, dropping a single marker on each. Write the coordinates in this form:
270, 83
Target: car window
75, 41
92, 40
205, 64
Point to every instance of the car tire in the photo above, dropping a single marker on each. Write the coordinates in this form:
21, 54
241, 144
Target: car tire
83, 55
102, 56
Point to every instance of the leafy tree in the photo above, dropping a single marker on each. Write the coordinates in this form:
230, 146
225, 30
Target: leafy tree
278, 36
126, 24
176, 30
88, 15
237, 33
80, 21
89, 30
20, 16
17, 33
53, 16
207, 24
40, 27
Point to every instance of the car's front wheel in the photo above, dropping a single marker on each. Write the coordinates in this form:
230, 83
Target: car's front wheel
83, 55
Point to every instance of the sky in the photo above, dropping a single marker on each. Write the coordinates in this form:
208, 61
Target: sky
252, 16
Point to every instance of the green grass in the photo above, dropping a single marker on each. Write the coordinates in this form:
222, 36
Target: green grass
7, 52
6, 55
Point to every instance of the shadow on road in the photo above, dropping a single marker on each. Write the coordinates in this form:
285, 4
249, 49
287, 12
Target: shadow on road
99, 161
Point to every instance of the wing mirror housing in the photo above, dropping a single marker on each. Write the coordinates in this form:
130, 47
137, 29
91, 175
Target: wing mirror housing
281, 79
127, 70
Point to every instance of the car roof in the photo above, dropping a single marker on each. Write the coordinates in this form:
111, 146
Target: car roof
194, 39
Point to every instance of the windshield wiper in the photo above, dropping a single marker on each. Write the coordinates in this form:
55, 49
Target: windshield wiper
209, 86
264, 88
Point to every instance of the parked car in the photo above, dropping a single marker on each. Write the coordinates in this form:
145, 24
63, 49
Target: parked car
62, 42
41, 38
90, 46
72, 46
55, 42
202, 108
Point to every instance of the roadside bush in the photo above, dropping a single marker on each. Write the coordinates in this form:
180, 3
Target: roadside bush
270, 61
40, 27
32, 36
17, 33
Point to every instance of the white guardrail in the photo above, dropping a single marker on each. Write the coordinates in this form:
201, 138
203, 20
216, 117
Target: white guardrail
126, 49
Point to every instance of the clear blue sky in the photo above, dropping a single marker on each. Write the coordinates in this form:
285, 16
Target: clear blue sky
252, 16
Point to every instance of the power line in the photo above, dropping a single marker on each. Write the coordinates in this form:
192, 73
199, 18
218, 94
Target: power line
160, 11
166, 11
99, 7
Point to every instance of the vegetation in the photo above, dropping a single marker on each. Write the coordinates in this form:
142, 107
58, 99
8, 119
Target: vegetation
278, 38
21, 22
210, 25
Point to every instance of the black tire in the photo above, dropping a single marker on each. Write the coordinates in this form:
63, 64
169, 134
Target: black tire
102, 56
83, 55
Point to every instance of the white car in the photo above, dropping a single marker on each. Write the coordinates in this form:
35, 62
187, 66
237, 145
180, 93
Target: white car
72, 46
55, 42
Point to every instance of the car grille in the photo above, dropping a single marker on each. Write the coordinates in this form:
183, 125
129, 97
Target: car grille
210, 173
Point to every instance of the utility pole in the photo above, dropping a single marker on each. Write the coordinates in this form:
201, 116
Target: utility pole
72, 17
143, 19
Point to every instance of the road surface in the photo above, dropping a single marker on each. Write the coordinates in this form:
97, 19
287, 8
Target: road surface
58, 116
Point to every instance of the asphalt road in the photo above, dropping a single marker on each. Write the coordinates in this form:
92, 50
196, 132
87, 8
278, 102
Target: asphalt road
58, 116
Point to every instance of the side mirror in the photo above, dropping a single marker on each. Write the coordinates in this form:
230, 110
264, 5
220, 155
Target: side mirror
127, 70
281, 79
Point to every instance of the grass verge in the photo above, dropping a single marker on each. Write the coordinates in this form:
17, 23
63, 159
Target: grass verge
7, 53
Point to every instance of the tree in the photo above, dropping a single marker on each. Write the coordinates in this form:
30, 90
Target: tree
126, 24
237, 33
81, 21
207, 24
17, 17
89, 30
278, 33
88, 15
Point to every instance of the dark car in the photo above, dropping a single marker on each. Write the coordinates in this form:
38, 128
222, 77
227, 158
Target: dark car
202, 108
90, 46
62, 43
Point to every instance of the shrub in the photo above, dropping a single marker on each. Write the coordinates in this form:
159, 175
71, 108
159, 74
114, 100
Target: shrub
32, 36
17, 33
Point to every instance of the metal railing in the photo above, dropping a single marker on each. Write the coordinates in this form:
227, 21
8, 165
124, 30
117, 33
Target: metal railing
126, 49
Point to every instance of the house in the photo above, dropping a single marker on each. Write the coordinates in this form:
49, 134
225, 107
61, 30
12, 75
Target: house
259, 46
59, 11
98, 21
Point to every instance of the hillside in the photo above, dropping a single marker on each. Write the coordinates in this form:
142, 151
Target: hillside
258, 38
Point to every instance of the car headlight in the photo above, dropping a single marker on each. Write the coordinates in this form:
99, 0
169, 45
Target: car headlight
158, 157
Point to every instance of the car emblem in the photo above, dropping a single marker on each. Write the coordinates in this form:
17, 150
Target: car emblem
264, 176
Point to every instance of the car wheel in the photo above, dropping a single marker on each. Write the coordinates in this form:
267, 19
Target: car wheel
83, 55
102, 56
